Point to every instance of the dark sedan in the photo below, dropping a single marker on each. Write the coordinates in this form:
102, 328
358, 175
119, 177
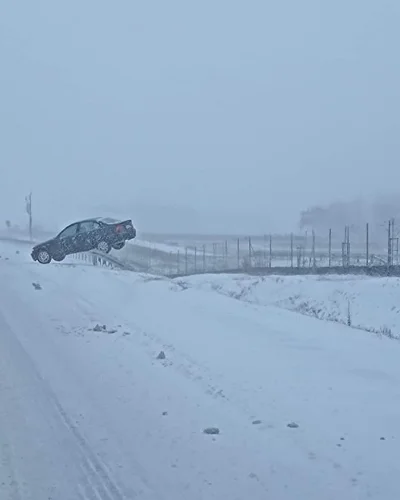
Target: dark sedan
100, 234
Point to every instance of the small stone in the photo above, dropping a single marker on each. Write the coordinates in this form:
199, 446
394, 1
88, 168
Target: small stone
161, 355
256, 422
342, 439
36, 286
293, 425
126, 333
165, 413
211, 430
111, 331
97, 328
383, 438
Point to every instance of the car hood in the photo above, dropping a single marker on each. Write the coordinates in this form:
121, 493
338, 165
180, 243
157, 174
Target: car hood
43, 243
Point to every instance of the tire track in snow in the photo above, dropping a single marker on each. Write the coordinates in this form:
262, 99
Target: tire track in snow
94, 480
98, 484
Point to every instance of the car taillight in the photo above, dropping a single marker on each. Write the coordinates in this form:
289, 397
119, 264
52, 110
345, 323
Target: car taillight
119, 228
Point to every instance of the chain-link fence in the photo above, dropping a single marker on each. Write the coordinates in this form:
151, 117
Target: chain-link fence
378, 246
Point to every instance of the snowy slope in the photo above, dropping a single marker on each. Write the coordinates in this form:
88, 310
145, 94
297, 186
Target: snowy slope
88, 413
373, 303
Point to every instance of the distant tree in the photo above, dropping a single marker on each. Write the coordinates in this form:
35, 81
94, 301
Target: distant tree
8, 224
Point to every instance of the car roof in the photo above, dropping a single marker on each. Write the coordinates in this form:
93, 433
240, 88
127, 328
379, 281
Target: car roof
106, 220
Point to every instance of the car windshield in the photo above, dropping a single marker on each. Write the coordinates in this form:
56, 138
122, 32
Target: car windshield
68, 231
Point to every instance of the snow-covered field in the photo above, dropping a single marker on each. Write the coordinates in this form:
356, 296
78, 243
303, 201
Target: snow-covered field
306, 409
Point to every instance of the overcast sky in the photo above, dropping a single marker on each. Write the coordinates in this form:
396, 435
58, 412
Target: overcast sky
240, 112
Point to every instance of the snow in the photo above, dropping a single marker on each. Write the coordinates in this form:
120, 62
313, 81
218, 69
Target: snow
96, 414
368, 303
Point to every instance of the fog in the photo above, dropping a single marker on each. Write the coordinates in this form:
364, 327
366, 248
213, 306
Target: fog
212, 116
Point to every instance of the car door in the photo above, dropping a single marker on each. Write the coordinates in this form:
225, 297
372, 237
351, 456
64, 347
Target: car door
87, 235
67, 239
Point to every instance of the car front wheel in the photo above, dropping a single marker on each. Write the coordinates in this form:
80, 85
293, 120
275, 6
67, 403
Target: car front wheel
44, 257
103, 247
119, 246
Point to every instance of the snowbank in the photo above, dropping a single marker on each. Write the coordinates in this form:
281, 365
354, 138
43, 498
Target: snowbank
367, 303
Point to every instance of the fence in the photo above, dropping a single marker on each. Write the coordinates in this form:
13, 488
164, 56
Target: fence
373, 249
376, 247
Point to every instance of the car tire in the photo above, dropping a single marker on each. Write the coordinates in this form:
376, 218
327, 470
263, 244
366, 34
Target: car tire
44, 257
103, 247
119, 246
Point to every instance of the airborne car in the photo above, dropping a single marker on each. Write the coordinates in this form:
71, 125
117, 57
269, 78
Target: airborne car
100, 234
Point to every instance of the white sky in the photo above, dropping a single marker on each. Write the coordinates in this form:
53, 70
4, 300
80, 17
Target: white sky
237, 113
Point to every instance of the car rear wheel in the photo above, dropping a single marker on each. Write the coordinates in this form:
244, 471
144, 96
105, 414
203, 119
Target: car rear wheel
44, 257
58, 258
119, 246
103, 247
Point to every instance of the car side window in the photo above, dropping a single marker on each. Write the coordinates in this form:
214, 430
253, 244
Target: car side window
87, 226
68, 231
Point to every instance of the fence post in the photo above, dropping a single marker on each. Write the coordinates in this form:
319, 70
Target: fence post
238, 253
367, 244
204, 258
291, 249
265, 251
313, 249
178, 266
330, 248
186, 261
214, 256
250, 252
195, 260
344, 245
226, 255
270, 250
343, 259
149, 258
348, 246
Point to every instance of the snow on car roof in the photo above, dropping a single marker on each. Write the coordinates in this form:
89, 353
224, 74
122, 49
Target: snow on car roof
107, 220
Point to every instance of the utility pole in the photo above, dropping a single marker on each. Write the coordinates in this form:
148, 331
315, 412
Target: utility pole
28, 208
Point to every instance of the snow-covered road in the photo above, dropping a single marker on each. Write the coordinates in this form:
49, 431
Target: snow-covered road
92, 414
